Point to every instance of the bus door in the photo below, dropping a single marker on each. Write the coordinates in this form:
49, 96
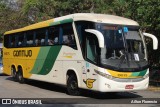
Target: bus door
84, 73
91, 60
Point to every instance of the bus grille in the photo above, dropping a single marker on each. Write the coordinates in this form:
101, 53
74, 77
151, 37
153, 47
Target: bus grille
127, 79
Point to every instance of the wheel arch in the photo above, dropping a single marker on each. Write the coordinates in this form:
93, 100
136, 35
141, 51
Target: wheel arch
70, 72
19, 67
14, 66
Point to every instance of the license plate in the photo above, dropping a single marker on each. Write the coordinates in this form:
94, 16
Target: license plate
129, 87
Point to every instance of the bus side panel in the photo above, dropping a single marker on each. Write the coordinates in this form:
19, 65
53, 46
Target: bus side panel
72, 62
6, 66
54, 76
47, 66
24, 57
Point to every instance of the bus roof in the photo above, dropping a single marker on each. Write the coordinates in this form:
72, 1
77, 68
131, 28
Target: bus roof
99, 18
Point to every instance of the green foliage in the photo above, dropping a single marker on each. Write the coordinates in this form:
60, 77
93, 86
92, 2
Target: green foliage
10, 17
38, 10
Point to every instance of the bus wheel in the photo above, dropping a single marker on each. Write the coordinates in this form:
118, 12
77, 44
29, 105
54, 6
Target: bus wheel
72, 85
20, 76
13, 73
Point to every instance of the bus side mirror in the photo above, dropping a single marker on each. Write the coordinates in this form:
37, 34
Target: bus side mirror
154, 39
99, 35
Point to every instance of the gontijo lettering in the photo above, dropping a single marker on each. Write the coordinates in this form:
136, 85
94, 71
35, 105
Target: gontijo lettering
22, 53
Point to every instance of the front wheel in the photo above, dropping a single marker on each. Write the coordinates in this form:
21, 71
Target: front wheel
72, 85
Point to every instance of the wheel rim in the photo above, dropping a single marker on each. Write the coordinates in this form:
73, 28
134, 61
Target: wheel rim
13, 73
20, 76
73, 85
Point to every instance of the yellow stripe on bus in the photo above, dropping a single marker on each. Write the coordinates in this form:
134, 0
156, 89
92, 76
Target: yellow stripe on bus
120, 74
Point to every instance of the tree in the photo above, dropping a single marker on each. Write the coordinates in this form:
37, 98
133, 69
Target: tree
10, 16
38, 10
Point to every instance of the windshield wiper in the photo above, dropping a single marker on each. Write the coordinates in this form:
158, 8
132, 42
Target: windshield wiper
121, 61
124, 58
125, 54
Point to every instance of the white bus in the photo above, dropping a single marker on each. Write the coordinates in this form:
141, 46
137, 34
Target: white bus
99, 52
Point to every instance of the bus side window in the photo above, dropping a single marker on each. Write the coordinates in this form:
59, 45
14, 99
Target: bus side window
12, 41
7, 41
40, 37
91, 47
53, 37
68, 36
80, 27
29, 36
21, 40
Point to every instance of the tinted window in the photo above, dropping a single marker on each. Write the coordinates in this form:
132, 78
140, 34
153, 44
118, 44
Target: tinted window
41, 36
68, 37
29, 38
91, 43
81, 26
20, 40
7, 41
13, 41
53, 37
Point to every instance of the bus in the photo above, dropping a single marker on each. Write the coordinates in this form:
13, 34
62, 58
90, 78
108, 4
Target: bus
98, 52
1, 66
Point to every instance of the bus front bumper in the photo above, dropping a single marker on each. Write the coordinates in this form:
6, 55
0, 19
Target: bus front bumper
106, 85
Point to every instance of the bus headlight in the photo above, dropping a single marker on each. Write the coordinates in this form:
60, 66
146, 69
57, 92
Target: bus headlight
103, 74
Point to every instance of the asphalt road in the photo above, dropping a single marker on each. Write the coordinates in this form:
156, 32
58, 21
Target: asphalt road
55, 94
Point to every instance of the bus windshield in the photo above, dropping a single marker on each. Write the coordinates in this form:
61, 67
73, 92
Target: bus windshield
124, 47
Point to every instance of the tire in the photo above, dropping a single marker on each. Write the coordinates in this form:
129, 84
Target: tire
72, 85
20, 76
13, 73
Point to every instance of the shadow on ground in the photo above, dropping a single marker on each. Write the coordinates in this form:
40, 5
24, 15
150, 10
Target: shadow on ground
89, 96
3, 74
